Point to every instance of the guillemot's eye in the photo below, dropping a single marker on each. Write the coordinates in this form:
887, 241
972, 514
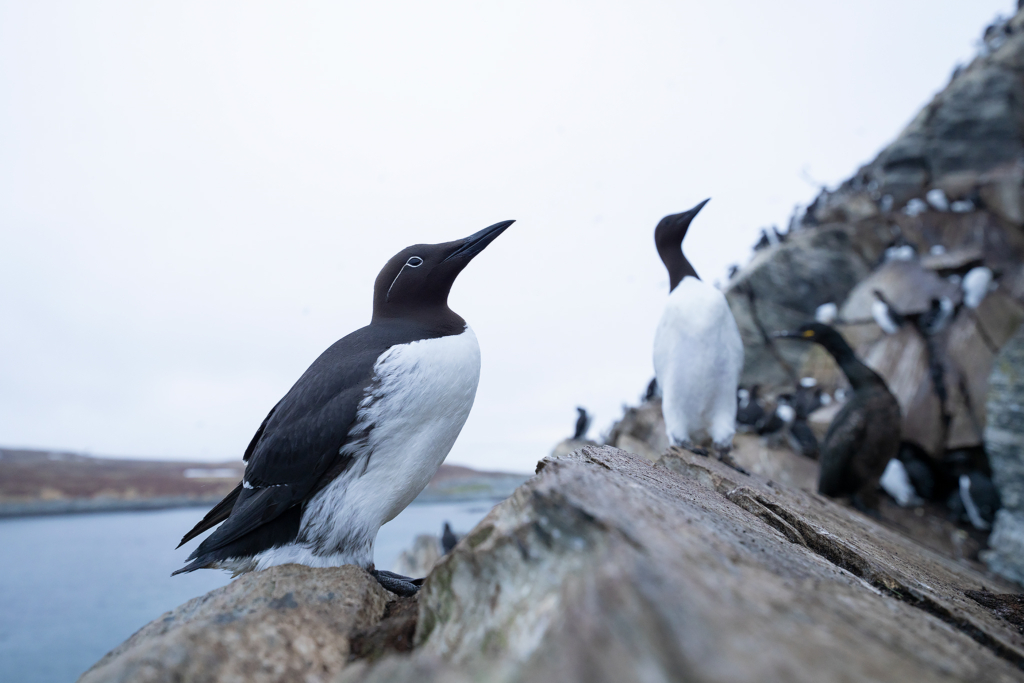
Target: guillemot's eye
414, 262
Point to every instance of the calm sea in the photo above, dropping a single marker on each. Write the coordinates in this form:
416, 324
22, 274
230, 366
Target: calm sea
74, 587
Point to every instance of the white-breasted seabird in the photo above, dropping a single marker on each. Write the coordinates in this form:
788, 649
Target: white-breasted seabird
698, 353
976, 285
361, 432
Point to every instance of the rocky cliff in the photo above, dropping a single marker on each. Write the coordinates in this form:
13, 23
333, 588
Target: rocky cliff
933, 228
609, 567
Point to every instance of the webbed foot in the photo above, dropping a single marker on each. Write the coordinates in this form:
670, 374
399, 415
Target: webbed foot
396, 583
723, 457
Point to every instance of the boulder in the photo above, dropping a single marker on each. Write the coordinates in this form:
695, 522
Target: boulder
287, 623
1004, 442
783, 285
420, 558
641, 431
608, 567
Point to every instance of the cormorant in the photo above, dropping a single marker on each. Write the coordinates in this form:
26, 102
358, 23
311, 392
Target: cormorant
865, 435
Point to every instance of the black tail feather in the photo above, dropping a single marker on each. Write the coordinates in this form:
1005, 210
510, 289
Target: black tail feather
218, 514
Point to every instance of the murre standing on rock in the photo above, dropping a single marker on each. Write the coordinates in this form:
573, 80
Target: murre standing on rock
361, 433
582, 424
865, 435
698, 353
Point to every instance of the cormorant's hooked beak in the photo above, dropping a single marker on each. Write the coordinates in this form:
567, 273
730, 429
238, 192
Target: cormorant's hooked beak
474, 244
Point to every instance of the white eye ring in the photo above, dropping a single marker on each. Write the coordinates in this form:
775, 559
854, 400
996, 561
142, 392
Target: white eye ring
413, 262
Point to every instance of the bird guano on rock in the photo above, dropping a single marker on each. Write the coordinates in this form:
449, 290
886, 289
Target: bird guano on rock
361, 432
865, 434
698, 353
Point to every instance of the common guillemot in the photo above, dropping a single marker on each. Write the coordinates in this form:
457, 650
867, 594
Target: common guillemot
582, 424
698, 353
361, 432
865, 435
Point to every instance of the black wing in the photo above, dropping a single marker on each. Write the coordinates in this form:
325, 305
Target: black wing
296, 450
843, 440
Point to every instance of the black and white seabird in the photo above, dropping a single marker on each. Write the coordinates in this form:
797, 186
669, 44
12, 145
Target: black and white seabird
749, 408
449, 539
698, 353
582, 424
361, 432
865, 435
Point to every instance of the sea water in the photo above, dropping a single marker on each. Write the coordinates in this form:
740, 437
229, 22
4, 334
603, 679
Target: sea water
73, 587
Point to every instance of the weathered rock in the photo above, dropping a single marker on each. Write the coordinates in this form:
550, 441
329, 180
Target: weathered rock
641, 431
287, 623
607, 567
907, 285
781, 288
567, 446
1004, 442
418, 560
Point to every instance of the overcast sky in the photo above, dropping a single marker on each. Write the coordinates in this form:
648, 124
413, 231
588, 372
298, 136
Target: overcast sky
195, 197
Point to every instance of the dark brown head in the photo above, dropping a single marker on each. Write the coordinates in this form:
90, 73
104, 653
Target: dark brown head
416, 282
668, 238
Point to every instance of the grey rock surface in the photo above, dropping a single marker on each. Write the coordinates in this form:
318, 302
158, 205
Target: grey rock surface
287, 623
418, 560
1004, 443
608, 567
783, 285
640, 431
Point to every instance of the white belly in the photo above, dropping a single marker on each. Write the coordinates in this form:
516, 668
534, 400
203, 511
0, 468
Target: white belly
408, 422
698, 356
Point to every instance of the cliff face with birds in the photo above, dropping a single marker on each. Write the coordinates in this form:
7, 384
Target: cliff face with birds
918, 259
636, 561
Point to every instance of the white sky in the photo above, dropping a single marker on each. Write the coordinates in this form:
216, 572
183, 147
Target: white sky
195, 197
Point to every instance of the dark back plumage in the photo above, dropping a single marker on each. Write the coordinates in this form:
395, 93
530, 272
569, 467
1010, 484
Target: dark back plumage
865, 433
297, 450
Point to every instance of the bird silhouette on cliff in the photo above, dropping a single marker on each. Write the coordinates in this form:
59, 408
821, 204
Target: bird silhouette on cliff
865, 434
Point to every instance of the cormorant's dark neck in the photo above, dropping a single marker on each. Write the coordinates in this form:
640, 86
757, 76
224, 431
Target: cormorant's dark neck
677, 264
859, 374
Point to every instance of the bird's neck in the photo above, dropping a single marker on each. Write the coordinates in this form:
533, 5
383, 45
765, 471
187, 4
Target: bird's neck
859, 375
677, 264
435, 321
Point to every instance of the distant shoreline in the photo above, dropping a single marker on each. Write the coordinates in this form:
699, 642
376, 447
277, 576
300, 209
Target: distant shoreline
84, 506
41, 483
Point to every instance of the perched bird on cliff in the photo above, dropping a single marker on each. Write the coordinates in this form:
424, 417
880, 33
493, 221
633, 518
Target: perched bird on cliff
698, 353
449, 539
582, 424
865, 435
361, 432
976, 284
885, 316
749, 408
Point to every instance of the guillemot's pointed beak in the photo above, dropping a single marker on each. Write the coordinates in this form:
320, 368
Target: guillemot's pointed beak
695, 210
792, 335
474, 244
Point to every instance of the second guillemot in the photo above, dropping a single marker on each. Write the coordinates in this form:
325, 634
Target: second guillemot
361, 432
698, 353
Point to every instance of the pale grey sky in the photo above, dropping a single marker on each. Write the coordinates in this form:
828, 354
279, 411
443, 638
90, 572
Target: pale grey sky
195, 197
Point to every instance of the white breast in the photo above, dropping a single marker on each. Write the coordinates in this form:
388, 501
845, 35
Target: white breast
407, 423
698, 356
